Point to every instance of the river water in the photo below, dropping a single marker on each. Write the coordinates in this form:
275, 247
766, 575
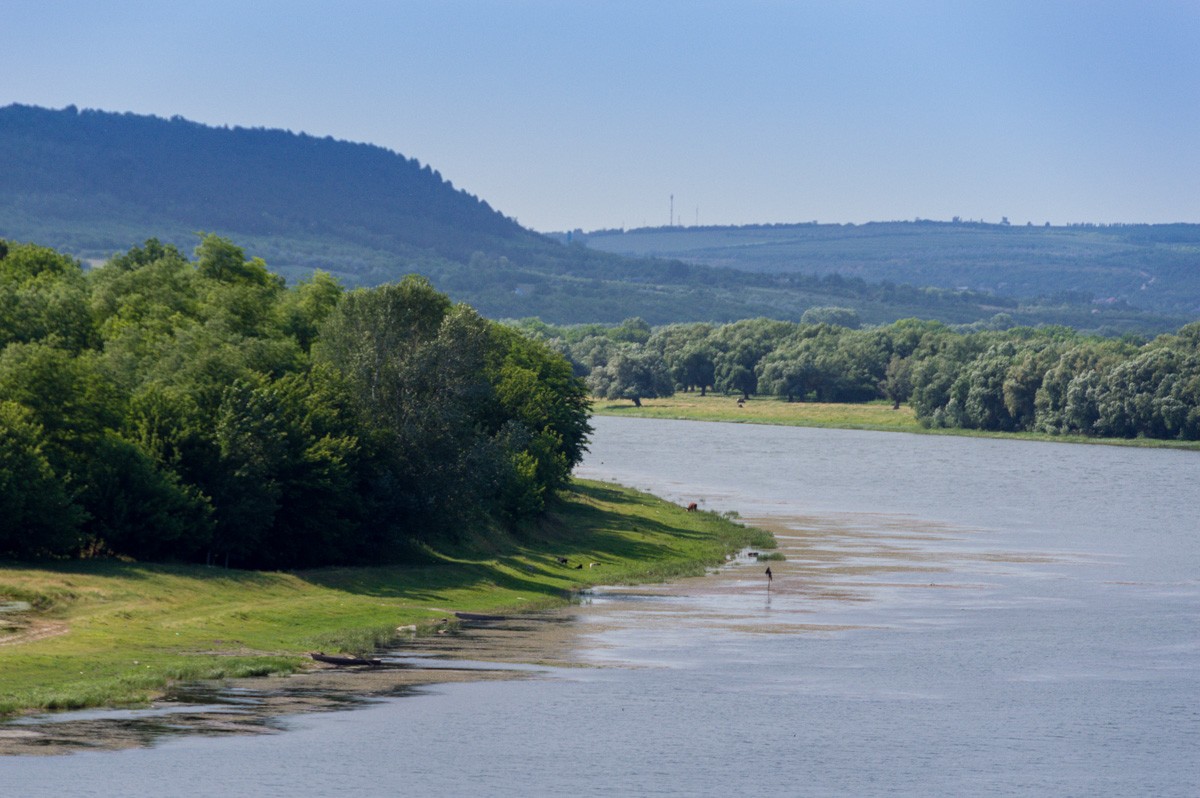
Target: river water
955, 616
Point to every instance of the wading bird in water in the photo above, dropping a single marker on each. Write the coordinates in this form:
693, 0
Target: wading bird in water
769, 577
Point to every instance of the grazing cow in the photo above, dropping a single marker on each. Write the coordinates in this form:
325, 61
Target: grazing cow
692, 507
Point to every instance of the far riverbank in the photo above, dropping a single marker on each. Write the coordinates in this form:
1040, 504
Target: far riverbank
876, 416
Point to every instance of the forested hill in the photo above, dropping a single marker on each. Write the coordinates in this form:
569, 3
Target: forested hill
93, 183
82, 172
1152, 267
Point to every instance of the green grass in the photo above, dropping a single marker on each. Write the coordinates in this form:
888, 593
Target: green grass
768, 410
866, 416
127, 630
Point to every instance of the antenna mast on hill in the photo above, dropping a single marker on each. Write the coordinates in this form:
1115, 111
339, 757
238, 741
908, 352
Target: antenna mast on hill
672, 222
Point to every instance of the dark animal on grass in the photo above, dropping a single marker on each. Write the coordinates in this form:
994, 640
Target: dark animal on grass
691, 508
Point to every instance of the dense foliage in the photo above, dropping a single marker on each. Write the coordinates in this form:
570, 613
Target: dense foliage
161, 408
92, 183
1049, 379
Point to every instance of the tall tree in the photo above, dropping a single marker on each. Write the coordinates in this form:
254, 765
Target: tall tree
37, 514
631, 374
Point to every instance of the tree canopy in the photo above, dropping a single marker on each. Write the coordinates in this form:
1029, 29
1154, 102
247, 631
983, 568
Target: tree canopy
1048, 379
199, 410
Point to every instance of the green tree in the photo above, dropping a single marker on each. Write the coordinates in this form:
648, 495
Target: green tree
631, 331
43, 295
537, 388
983, 406
137, 510
288, 487
1024, 379
370, 334
221, 260
303, 309
938, 393
37, 514
1129, 395
834, 316
687, 354
245, 487
788, 372
1081, 408
631, 374
697, 368
70, 397
740, 346
1065, 400
897, 382
416, 368
147, 292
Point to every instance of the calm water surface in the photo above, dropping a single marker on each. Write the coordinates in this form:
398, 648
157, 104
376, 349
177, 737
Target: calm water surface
955, 617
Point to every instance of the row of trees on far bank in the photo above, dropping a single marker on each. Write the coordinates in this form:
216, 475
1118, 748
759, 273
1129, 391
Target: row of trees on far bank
161, 408
1048, 379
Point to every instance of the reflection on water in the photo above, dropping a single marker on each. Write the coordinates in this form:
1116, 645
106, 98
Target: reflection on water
953, 617
189, 710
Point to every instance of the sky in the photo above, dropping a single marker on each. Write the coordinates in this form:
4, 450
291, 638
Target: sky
590, 115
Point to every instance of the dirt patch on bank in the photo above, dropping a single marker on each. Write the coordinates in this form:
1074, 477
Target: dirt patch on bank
31, 631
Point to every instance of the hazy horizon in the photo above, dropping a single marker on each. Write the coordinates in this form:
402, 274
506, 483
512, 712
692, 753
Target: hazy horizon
592, 115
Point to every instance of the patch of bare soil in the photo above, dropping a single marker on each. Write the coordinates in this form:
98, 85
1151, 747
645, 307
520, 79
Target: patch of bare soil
21, 631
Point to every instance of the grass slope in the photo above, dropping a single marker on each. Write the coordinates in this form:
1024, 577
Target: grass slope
768, 410
104, 633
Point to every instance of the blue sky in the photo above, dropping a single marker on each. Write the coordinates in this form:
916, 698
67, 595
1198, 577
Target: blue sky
592, 114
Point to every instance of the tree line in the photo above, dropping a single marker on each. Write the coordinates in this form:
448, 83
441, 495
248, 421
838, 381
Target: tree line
1046, 379
161, 408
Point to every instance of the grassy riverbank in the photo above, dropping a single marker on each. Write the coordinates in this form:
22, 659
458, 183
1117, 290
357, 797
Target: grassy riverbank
867, 416
104, 633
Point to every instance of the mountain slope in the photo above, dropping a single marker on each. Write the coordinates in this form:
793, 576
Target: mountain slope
79, 167
93, 183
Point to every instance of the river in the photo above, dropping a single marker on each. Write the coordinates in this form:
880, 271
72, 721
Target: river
955, 616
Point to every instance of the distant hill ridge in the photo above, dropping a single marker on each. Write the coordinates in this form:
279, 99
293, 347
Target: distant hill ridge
257, 181
94, 183
1151, 266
